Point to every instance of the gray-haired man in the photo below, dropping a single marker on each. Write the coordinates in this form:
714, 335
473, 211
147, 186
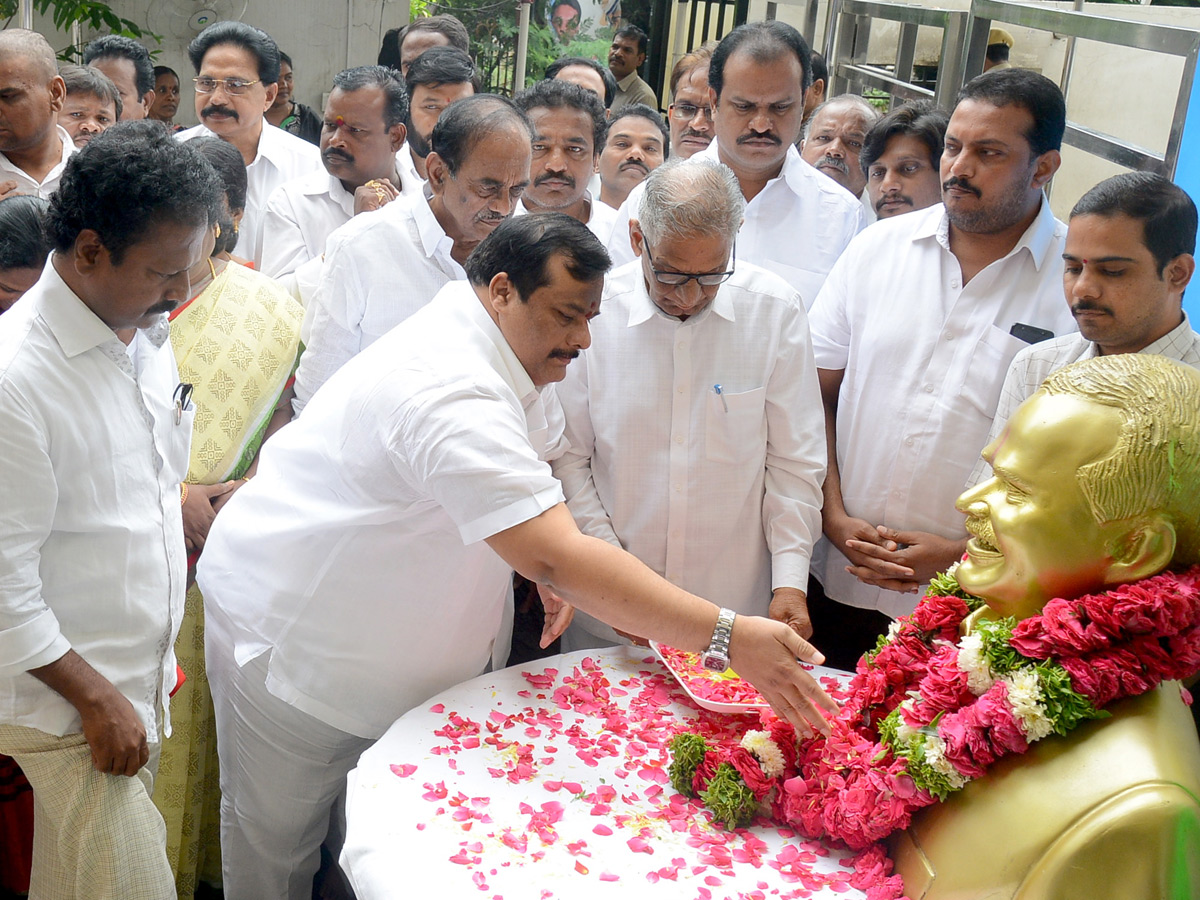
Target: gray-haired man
712, 475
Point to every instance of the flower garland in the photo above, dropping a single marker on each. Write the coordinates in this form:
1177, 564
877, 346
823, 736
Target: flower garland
930, 710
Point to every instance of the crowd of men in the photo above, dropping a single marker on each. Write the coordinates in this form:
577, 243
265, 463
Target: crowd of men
816, 313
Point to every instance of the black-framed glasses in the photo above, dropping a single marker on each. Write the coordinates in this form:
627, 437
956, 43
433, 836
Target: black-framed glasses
706, 279
233, 86
685, 112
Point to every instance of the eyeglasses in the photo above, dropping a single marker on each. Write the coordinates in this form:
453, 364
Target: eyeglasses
677, 279
685, 112
233, 86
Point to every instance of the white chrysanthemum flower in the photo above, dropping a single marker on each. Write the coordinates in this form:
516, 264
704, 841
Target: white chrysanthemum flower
1025, 698
952, 572
935, 758
766, 751
972, 661
905, 732
894, 629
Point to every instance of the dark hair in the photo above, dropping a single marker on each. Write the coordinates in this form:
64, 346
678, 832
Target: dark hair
126, 180
257, 43
632, 31
90, 80
116, 46
689, 61
920, 119
446, 25
820, 70
231, 172
522, 247
564, 95
1167, 213
564, 62
395, 108
765, 42
641, 110
284, 58
467, 121
997, 53
1026, 89
24, 243
574, 4
159, 71
442, 65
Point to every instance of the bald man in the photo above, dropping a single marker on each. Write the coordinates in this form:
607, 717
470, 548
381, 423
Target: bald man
33, 146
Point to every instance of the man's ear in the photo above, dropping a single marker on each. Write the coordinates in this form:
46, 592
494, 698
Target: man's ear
272, 90
501, 292
1047, 165
88, 251
148, 101
636, 239
1146, 549
436, 171
398, 135
58, 93
1178, 272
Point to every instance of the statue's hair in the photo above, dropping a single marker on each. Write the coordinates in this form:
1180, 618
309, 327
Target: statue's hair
1155, 466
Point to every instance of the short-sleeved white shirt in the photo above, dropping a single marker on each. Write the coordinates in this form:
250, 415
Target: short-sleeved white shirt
356, 556
797, 226
48, 185
924, 357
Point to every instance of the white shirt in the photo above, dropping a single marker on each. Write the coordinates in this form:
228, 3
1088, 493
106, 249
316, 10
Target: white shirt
300, 216
797, 226
380, 268
91, 535
356, 556
924, 357
46, 187
1034, 364
718, 493
602, 219
280, 157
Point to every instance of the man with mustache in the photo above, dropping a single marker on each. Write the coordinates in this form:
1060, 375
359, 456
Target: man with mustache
435, 79
690, 112
94, 437
834, 136
127, 64
237, 70
382, 267
913, 332
634, 146
568, 129
712, 477
901, 157
362, 141
797, 221
1127, 261
625, 56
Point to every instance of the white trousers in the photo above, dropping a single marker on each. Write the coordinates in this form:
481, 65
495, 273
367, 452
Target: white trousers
281, 773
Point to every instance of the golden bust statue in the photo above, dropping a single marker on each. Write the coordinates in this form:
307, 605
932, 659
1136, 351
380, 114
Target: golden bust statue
1096, 484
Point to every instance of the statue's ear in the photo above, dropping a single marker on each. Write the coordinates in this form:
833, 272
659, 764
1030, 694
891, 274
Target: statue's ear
1146, 549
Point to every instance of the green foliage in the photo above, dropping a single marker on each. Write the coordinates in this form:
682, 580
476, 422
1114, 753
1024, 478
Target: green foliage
729, 799
1064, 707
92, 14
687, 752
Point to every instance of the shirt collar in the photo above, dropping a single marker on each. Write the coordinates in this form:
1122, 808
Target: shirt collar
629, 79
339, 195
642, 309
433, 237
463, 293
68, 149
76, 328
1038, 238
1170, 344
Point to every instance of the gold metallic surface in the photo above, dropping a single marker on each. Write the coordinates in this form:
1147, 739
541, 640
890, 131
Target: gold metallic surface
1113, 809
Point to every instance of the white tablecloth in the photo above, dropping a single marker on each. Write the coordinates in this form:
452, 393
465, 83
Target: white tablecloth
549, 781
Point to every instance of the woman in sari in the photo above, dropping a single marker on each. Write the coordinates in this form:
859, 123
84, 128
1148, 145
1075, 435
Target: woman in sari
236, 342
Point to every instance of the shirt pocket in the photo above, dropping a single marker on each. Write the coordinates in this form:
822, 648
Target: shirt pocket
733, 425
989, 364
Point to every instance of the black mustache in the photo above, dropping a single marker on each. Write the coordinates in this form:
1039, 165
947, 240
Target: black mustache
1084, 306
564, 354
636, 162
332, 153
769, 136
220, 110
893, 198
563, 176
955, 181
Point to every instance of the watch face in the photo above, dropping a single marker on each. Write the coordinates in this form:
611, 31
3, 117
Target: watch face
714, 662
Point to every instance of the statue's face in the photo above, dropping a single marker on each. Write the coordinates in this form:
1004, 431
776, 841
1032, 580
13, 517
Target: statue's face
1033, 534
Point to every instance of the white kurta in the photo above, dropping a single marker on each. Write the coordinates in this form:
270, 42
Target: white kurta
718, 493
924, 357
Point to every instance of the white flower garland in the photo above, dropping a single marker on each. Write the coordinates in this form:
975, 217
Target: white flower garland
766, 751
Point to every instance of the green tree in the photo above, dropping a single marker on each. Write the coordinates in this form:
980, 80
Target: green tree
91, 13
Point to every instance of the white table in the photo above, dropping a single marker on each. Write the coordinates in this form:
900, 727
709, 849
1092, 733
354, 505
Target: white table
555, 786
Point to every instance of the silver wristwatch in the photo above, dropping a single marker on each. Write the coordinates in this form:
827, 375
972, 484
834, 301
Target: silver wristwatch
716, 657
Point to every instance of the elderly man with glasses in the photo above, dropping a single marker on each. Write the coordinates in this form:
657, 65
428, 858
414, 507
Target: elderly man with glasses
695, 417
690, 115
237, 74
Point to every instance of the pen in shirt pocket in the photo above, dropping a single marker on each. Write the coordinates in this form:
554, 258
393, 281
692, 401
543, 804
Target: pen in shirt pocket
724, 403
183, 400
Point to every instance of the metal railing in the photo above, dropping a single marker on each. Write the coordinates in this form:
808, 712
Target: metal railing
847, 41
1165, 39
